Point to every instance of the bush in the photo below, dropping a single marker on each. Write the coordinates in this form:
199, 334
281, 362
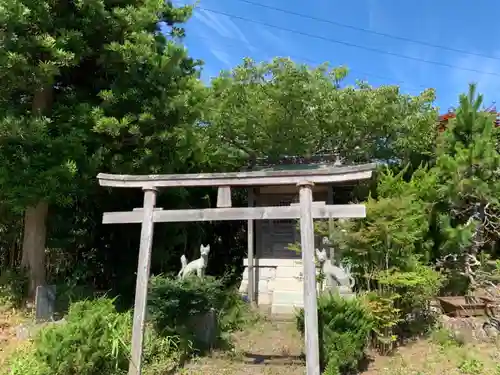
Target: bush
94, 339
416, 287
162, 354
344, 328
13, 287
173, 303
412, 292
69, 293
385, 318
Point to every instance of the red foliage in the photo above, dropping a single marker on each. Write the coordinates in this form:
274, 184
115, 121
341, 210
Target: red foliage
443, 119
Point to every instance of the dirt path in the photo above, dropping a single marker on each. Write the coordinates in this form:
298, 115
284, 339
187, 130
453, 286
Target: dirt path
9, 342
268, 348
272, 348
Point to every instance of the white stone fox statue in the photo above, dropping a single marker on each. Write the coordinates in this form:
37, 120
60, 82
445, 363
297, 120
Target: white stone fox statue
197, 265
334, 274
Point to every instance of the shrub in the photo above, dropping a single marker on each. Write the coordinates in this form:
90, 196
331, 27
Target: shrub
412, 291
162, 354
344, 329
173, 303
13, 287
94, 339
385, 318
69, 293
416, 287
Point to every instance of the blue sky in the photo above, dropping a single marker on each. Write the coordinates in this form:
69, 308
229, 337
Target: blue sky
222, 41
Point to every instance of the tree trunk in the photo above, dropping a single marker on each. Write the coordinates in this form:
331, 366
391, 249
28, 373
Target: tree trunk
35, 217
35, 233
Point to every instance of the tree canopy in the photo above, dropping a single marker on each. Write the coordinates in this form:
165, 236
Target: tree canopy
103, 86
282, 108
445, 208
87, 87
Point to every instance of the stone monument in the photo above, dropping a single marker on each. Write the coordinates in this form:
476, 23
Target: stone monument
45, 300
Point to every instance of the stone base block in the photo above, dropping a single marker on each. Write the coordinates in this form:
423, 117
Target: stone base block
265, 298
204, 328
284, 310
292, 298
288, 284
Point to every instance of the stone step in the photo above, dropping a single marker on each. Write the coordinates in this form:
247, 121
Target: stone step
289, 284
288, 297
284, 311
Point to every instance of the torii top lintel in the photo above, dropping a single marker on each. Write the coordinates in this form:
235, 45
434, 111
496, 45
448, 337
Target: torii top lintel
323, 175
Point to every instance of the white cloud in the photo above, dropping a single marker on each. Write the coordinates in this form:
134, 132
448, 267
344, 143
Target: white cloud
376, 16
223, 25
411, 74
488, 85
222, 56
276, 38
219, 27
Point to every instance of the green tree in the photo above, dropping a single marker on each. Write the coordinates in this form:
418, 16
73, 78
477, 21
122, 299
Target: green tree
450, 207
281, 108
468, 171
89, 86
395, 231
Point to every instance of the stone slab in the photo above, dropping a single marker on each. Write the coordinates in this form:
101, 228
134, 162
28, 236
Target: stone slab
291, 284
45, 301
284, 310
265, 286
289, 272
265, 298
261, 272
281, 297
205, 328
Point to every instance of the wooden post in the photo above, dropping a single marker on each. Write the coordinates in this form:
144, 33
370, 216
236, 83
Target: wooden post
251, 249
141, 289
224, 196
310, 302
331, 225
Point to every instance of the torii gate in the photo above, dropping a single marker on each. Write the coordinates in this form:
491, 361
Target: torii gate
305, 211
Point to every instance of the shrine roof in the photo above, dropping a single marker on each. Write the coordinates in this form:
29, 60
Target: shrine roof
286, 163
294, 167
318, 174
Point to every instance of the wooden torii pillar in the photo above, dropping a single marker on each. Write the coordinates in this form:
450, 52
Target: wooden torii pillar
305, 211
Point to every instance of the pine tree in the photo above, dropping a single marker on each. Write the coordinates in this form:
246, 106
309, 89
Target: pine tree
468, 170
88, 85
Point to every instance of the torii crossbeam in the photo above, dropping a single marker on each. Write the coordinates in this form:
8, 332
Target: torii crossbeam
306, 211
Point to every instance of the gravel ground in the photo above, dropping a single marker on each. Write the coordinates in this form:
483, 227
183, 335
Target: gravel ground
273, 348
269, 348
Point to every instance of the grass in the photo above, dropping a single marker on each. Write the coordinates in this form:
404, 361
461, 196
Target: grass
273, 348
426, 357
10, 319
